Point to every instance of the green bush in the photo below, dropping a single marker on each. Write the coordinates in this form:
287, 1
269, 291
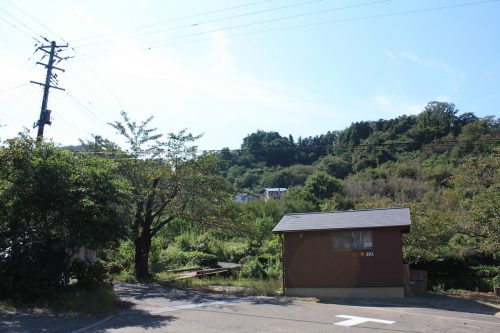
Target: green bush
274, 270
252, 269
90, 274
496, 281
126, 276
124, 257
31, 270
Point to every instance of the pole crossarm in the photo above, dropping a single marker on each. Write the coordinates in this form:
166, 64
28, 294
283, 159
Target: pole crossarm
50, 82
53, 67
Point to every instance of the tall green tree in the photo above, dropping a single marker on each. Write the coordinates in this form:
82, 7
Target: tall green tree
169, 180
53, 202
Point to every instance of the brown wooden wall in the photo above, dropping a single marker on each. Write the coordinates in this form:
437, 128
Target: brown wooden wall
310, 261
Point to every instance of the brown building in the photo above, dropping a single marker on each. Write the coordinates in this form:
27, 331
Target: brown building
344, 254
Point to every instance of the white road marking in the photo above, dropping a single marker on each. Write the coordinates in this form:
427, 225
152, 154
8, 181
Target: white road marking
93, 325
353, 320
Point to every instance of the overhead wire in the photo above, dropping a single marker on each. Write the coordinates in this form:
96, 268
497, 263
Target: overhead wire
79, 57
34, 20
100, 80
71, 124
21, 22
19, 98
85, 85
307, 25
335, 147
216, 20
85, 107
238, 26
179, 19
13, 88
20, 30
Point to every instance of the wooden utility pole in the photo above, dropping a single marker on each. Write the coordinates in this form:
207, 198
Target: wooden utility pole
44, 118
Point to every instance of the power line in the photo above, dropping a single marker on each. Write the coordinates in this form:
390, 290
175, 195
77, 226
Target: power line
108, 106
18, 29
71, 124
103, 83
317, 12
80, 58
21, 22
353, 19
36, 21
337, 147
218, 20
20, 98
180, 18
13, 88
95, 114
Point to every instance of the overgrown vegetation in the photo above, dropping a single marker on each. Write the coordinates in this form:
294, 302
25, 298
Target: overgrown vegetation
160, 205
269, 287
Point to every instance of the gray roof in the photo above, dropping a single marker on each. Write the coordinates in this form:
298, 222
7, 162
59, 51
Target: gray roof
352, 219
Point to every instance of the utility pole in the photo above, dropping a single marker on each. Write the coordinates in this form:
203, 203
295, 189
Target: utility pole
50, 78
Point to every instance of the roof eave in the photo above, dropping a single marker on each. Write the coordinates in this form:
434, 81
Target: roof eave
405, 228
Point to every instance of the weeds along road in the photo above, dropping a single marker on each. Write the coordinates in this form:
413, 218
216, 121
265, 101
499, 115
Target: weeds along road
152, 308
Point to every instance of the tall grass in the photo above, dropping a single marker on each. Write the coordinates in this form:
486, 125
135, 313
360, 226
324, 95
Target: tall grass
270, 287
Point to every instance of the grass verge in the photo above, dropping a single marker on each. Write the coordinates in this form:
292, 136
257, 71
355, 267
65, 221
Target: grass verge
269, 287
70, 302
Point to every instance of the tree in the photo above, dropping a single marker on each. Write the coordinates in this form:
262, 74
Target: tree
53, 202
476, 185
436, 121
270, 147
322, 186
169, 180
335, 166
318, 187
291, 176
353, 135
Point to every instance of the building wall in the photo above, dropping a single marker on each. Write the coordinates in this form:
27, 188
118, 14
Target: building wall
310, 261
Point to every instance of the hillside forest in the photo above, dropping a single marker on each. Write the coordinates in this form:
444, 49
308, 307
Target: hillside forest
159, 203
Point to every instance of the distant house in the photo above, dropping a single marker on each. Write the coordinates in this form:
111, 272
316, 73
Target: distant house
344, 254
245, 197
274, 193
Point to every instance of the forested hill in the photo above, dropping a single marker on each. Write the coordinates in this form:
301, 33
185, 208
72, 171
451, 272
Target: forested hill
422, 147
443, 164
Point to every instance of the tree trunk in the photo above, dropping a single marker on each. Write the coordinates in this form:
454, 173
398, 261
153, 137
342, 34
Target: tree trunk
143, 221
142, 247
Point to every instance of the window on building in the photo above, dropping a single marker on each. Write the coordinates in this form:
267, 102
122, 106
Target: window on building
352, 240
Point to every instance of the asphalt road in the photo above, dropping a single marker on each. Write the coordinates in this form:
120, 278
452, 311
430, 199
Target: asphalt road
156, 309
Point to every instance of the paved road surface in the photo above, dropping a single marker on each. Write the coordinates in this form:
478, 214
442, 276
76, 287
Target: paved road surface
157, 309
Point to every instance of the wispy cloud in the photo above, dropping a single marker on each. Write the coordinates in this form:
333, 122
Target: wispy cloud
428, 63
456, 79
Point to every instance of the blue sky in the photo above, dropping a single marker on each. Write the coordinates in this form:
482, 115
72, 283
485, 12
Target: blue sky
297, 67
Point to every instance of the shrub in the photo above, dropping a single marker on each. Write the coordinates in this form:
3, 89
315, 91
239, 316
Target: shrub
121, 258
90, 274
252, 269
126, 276
496, 281
274, 270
